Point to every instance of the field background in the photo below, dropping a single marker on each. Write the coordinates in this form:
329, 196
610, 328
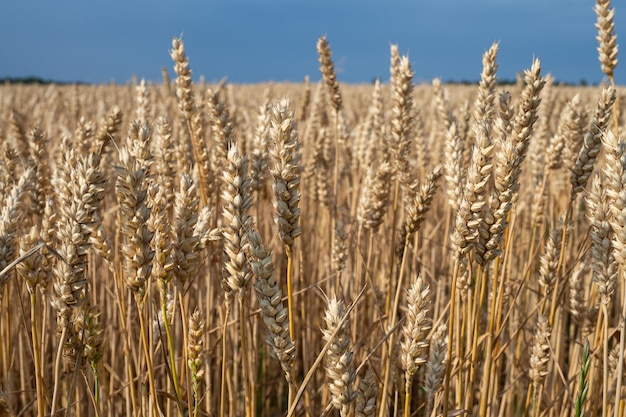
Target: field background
125, 204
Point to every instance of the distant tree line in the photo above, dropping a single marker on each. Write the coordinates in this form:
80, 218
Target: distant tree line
503, 82
32, 80
581, 83
42, 81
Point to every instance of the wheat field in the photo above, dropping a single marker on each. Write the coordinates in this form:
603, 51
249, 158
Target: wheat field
393, 249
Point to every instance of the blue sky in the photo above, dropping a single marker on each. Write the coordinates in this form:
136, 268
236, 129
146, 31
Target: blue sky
251, 41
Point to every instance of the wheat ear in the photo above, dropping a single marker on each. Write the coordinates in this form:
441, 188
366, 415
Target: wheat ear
286, 172
366, 394
339, 367
187, 107
195, 353
592, 141
137, 255
435, 365
275, 315
607, 39
605, 268
414, 344
539, 357
327, 69
607, 49
615, 171
374, 200
164, 265
236, 272
484, 103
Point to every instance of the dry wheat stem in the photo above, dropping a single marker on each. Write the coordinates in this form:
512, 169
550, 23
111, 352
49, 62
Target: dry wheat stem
452, 320
36, 355
31, 269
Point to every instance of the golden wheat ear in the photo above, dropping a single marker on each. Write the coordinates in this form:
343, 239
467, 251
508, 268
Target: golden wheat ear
339, 368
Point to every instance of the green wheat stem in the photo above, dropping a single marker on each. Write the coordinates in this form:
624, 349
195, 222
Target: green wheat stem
170, 346
583, 384
96, 383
